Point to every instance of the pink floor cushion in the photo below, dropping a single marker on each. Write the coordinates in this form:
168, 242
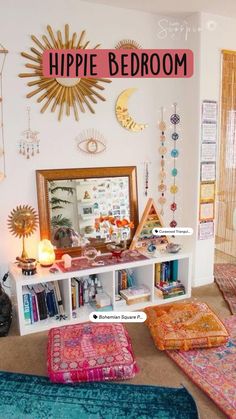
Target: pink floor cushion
90, 352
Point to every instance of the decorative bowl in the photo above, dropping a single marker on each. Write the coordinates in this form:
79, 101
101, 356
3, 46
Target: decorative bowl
116, 249
173, 247
28, 265
90, 253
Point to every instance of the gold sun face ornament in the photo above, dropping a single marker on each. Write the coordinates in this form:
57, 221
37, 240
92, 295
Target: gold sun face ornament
62, 94
22, 222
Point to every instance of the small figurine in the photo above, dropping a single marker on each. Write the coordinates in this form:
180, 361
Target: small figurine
86, 195
151, 248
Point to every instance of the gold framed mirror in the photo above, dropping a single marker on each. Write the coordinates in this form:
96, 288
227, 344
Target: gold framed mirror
71, 201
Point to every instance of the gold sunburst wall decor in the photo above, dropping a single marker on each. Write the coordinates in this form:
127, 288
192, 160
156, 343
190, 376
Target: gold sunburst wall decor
128, 44
69, 94
22, 222
122, 112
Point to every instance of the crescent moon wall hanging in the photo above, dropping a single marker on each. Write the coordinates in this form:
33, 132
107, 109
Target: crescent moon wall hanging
60, 93
122, 113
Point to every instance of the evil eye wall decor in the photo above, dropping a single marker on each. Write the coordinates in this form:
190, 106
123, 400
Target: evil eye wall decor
91, 142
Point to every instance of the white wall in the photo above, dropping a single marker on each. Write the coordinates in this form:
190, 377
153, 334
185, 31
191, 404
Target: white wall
108, 25
18, 20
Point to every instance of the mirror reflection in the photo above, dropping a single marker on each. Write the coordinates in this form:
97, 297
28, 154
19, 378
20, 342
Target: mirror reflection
81, 210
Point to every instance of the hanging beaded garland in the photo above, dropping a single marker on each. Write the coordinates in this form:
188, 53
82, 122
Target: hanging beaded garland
146, 179
29, 144
3, 54
162, 175
175, 120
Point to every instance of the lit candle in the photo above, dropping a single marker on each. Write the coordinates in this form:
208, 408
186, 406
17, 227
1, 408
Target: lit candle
46, 253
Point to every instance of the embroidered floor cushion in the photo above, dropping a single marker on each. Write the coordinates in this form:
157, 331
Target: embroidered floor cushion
90, 352
185, 326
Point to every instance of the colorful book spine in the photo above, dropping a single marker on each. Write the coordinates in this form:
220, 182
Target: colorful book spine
119, 282
26, 306
123, 280
49, 302
174, 270
157, 273
73, 294
31, 307
163, 272
54, 301
59, 299
167, 271
81, 293
35, 308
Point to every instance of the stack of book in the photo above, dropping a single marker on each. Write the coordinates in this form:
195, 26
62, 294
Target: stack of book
167, 284
166, 272
169, 289
136, 295
41, 301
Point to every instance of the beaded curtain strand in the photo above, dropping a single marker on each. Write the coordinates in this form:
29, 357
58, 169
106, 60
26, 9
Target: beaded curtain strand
3, 53
162, 151
175, 120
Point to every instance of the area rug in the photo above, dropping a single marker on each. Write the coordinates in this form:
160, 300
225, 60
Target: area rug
225, 277
225, 270
213, 370
29, 396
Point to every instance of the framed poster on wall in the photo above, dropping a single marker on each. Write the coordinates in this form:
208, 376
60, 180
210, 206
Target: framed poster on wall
208, 172
206, 211
206, 230
209, 132
207, 191
209, 110
208, 152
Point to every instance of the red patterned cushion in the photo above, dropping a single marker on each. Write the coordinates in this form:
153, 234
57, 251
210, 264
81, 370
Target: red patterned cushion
90, 352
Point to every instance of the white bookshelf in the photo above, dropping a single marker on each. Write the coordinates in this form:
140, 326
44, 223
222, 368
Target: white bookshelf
143, 271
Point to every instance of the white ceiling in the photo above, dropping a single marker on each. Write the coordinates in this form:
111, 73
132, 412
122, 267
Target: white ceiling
175, 7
